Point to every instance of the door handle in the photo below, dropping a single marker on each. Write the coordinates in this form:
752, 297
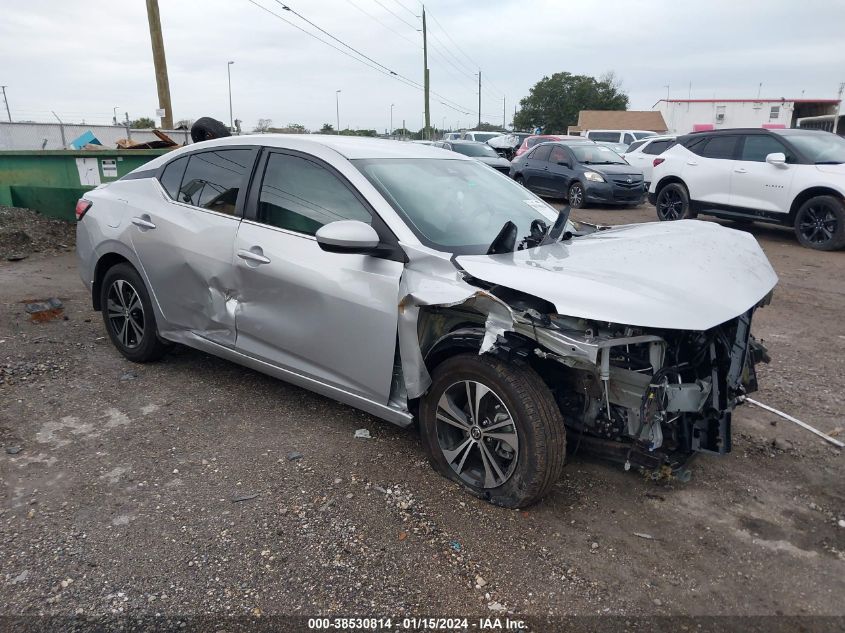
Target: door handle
740, 171
143, 222
252, 256
691, 162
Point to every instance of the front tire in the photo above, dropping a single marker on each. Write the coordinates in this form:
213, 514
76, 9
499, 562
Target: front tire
494, 428
128, 315
820, 223
576, 196
673, 203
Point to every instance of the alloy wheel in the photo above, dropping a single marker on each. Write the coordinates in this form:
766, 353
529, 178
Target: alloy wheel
125, 312
477, 434
576, 196
670, 205
818, 224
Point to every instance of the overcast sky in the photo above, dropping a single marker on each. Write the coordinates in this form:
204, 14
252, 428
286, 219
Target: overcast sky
85, 57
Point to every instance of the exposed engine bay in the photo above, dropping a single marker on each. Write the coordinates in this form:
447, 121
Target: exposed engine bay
646, 398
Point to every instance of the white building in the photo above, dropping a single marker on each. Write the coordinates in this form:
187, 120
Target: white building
690, 115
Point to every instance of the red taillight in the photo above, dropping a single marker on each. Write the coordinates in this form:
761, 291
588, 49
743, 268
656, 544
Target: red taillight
82, 206
657, 161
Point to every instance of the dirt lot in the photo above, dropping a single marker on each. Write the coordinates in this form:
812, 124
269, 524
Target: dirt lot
196, 486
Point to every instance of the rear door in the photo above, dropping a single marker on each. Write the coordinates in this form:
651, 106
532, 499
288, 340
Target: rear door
184, 240
758, 185
709, 168
536, 169
328, 316
560, 172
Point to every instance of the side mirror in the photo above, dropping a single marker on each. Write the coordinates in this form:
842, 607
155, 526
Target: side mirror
347, 236
777, 158
564, 163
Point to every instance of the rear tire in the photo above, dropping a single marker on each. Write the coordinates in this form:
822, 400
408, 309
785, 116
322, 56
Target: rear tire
519, 179
128, 315
820, 223
672, 203
526, 440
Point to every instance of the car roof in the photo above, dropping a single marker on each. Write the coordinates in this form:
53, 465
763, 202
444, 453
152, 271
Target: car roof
648, 131
466, 142
351, 147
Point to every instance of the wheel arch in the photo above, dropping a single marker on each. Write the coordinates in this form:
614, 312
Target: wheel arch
807, 194
668, 180
106, 262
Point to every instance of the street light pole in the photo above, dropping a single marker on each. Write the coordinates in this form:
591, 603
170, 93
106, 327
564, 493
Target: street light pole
337, 107
114, 115
231, 118
391, 120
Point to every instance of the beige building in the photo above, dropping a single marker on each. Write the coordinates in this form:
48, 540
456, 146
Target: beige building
647, 120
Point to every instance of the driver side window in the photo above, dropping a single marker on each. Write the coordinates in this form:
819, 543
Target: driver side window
558, 155
300, 195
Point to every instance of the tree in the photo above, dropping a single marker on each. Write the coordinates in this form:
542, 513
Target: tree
263, 125
487, 127
554, 102
143, 123
327, 128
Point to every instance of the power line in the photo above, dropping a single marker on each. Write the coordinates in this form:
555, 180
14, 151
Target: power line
396, 15
407, 9
387, 26
378, 67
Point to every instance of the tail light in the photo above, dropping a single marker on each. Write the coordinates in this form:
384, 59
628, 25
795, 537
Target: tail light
657, 161
82, 206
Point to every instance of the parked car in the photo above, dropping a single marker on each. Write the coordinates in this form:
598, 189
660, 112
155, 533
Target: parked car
534, 139
415, 284
641, 154
452, 136
479, 151
580, 171
618, 136
480, 137
792, 177
507, 144
619, 148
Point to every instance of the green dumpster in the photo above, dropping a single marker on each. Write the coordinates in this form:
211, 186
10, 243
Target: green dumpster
51, 181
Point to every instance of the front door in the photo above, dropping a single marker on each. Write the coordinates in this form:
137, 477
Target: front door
536, 169
328, 316
757, 184
184, 240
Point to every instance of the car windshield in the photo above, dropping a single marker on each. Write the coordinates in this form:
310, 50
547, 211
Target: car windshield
821, 149
475, 150
592, 154
486, 136
457, 206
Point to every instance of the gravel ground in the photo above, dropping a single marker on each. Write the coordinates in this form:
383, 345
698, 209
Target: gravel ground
23, 233
194, 486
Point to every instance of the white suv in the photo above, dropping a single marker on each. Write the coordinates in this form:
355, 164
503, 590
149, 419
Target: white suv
790, 177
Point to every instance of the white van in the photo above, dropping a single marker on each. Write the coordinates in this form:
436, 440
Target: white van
618, 136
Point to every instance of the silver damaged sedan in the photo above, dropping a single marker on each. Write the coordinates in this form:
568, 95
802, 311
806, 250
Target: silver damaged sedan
424, 287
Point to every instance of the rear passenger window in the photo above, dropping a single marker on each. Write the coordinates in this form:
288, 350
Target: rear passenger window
171, 177
718, 147
299, 195
634, 146
542, 153
656, 147
213, 179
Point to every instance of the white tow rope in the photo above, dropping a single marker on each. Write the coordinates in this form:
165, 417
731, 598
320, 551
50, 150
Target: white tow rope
786, 416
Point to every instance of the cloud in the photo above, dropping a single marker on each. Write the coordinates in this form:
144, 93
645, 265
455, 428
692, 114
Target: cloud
83, 59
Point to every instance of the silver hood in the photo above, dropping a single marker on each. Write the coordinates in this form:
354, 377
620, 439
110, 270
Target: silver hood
684, 275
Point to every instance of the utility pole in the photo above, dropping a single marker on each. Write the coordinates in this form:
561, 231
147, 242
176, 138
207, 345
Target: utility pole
835, 120
479, 97
504, 116
162, 83
231, 118
427, 121
9, 112
391, 120
337, 107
